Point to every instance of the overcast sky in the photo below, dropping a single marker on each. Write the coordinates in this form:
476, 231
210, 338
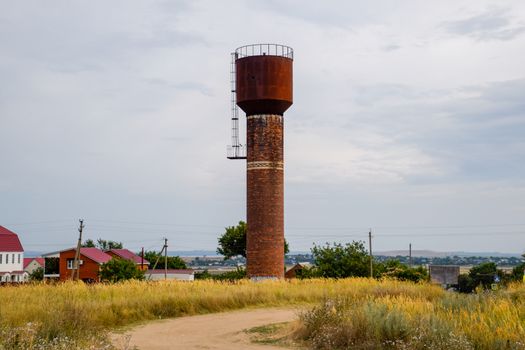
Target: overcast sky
408, 117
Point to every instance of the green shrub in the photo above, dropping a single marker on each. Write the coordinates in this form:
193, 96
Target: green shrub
117, 270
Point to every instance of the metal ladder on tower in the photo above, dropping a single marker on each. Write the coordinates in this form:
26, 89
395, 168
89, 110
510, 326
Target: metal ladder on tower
236, 150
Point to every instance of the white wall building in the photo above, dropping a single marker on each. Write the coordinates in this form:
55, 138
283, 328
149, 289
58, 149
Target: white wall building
180, 275
11, 257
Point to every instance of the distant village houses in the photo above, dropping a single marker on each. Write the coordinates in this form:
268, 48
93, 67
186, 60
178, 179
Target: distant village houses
60, 265
11, 257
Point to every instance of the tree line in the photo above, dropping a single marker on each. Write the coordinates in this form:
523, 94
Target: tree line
338, 260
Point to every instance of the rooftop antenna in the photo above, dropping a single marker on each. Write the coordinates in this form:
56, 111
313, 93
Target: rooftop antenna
236, 150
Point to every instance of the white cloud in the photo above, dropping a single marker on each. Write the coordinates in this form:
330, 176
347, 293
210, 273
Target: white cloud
121, 110
331, 157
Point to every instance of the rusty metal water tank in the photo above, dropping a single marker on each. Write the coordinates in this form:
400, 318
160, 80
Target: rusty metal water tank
264, 78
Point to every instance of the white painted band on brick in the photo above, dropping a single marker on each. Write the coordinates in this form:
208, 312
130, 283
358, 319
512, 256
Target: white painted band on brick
264, 116
265, 165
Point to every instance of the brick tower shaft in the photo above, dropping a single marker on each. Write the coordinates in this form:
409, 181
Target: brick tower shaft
265, 196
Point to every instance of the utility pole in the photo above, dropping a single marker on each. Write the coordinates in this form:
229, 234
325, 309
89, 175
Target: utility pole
75, 274
158, 258
370, 249
410, 255
142, 259
165, 258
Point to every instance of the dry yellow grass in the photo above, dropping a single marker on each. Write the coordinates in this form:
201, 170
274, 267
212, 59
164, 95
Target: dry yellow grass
81, 314
76, 311
486, 320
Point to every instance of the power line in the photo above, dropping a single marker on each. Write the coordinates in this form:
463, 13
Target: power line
353, 228
36, 222
156, 223
364, 229
451, 234
305, 238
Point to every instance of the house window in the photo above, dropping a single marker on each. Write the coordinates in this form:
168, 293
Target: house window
13, 261
7, 258
0, 258
19, 258
71, 262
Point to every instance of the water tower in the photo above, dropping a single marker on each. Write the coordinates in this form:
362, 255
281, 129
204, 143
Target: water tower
261, 80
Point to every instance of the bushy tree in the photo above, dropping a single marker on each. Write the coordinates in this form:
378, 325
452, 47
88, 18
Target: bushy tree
174, 262
204, 275
52, 265
339, 261
395, 269
232, 242
37, 275
517, 271
102, 244
483, 274
465, 283
238, 274
120, 270
88, 243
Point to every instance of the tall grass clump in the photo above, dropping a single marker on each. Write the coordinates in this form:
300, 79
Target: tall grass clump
485, 320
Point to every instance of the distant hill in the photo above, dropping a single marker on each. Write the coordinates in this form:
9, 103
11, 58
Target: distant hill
421, 253
32, 254
434, 254
191, 253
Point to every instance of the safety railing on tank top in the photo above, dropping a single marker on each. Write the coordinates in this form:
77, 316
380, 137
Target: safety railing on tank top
264, 49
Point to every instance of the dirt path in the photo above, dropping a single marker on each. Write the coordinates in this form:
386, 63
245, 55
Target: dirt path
214, 331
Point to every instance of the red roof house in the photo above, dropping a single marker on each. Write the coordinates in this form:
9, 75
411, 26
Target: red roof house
39, 261
95, 254
9, 241
90, 261
11, 257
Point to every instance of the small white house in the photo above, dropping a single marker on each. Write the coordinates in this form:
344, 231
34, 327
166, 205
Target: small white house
11, 257
32, 264
180, 275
